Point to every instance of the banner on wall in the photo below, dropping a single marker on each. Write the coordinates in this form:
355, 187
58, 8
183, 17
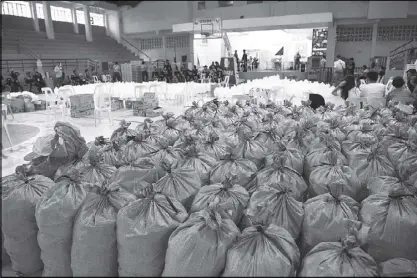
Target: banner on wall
229, 67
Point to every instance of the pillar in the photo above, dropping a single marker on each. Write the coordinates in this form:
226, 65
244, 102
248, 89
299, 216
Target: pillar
106, 23
74, 19
88, 33
331, 45
191, 59
164, 47
374, 37
49, 27
34, 15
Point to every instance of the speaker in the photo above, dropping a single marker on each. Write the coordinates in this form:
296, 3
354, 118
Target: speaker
303, 67
184, 58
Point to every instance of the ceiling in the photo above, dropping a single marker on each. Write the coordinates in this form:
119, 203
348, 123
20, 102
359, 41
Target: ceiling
124, 3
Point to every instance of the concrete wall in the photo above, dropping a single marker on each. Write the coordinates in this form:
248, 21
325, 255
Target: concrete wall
361, 51
151, 16
114, 24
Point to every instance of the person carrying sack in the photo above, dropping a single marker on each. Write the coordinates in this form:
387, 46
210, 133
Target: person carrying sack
339, 70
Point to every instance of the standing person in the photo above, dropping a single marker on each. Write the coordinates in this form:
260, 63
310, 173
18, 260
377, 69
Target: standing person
168, 71
323, 62
117, 73
297, 58
194, 74
144, 70
237, 60
250, 63
410, 73
212, 66
350, 67
412, 83
245, 61
39, 82
374, 92
59, 74
339, 70
381, 75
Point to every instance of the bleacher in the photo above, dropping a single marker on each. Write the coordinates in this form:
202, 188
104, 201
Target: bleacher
17, 43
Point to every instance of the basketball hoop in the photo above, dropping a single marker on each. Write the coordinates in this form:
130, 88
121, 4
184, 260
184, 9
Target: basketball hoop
208, 28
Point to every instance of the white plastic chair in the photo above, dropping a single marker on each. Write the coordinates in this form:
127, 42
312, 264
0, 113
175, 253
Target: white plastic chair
139, 90
5, 101
159, 91
102, 102
64, 101
225, 83
4, 122
95, 79
51, 101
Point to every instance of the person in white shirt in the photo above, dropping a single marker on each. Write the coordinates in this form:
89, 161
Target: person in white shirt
59, 75
373, 92
400, 93
339, 67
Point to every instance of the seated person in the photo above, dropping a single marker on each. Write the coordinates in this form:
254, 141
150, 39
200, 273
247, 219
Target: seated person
347, 87
399, 93
205, 72
39, 82
29, 80
194, 74
373, 92
412, 82
410, 73
13, 82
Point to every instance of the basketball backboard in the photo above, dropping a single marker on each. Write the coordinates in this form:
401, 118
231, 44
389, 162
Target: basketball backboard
208, 28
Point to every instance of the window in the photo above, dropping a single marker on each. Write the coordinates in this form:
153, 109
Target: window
202, 5
151, 43
225, 3
254, 2
351, 33
22, 9
16, 8
177, 41
397, 33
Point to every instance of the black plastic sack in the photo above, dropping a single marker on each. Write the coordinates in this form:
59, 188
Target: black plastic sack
143, 169
251, 149
143, 230
198, 247
138, 147
263, 251
293, 158
299, 137
55, 215
166, 152
199, 161
212, 146
74, 143
398, 267
123, 134
147, 126
235, 165
325, 217
274, 206
369, 164
327, 173
267, 136
94, 245
404, 151
186, 139
392, 219
361, 145
170, 131
338, 259
226, 191
20, 194
278, 174
180, 183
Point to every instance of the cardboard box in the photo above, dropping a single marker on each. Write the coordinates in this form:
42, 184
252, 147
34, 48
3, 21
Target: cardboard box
116, 103
140, 113
151, 113
79, 114
40, 105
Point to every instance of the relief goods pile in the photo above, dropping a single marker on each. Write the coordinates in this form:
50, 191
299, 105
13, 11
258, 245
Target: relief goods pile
221, 190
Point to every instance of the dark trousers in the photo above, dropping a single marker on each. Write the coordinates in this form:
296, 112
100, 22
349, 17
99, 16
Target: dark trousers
245, 66
117, 77
144, 76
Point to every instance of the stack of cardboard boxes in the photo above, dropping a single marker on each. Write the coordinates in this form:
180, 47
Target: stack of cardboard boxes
82, 105
147, 106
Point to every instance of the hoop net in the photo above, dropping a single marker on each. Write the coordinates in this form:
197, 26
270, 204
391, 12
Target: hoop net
207, 28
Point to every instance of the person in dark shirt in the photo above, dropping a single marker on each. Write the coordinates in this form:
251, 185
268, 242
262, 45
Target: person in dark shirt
39, 82
245, 61
410, 73
29, 80
350, 67
297, 59
195, 74
168, 71
206, 72
212, 66
237, 60
14, 83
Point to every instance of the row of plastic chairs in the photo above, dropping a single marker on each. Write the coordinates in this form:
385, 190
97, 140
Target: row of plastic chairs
60, 100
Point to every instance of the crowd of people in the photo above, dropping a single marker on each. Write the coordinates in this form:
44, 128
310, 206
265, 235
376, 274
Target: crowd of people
174, 74
244, 64
369, 84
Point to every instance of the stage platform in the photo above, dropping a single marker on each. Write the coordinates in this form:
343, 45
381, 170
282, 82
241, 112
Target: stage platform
250, 75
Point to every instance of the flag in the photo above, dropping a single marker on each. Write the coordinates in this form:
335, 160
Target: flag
198, 62
280, 52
